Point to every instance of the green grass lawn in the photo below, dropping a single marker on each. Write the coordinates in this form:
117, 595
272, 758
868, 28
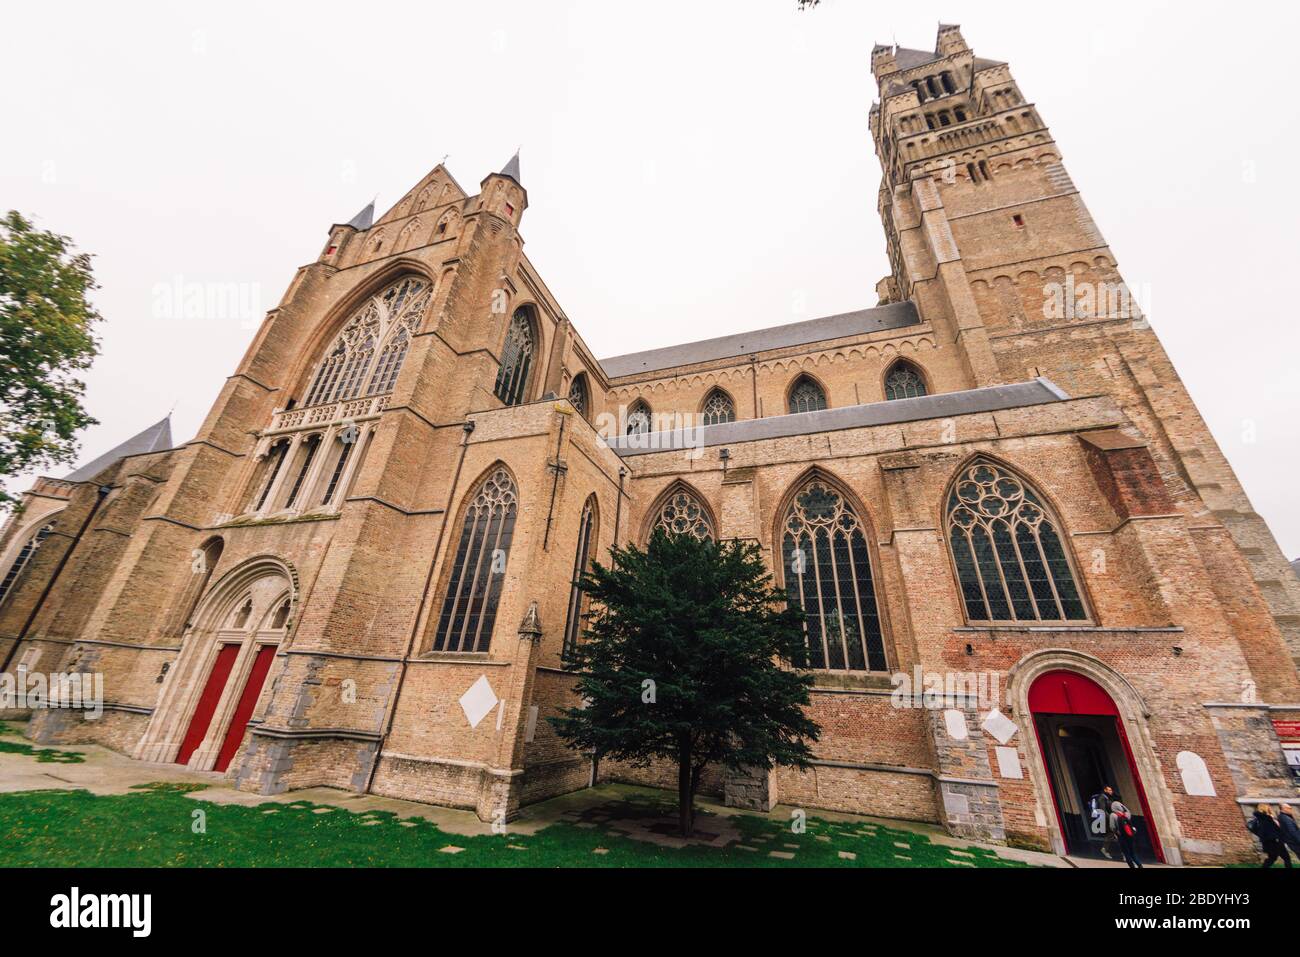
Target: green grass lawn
155, 827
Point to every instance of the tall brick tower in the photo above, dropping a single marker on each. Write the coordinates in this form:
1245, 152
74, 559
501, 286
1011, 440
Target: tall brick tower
983, 221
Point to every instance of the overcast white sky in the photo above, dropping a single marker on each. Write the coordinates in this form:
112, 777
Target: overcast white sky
694, 168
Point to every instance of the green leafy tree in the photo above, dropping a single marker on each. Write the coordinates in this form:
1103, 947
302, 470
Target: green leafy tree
687, 657
46, 337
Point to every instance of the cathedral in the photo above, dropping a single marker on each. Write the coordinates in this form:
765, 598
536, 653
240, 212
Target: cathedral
1028, 569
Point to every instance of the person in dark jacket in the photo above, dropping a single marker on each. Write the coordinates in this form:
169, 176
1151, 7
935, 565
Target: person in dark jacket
1290, 828
1099, 807
1121, 823
1265, 827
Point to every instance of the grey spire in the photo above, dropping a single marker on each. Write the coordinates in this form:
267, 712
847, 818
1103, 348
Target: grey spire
363, 219
156, 438
511, 169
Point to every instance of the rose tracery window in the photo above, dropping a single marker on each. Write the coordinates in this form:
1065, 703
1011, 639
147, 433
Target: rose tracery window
516, 359
828, 574
904, 382
1007, 548
806, 396
469, 608
718, 408
683, 514
382, 327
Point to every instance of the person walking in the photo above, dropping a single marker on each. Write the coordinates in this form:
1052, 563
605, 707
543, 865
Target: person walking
1121, 824
1290, 828
1099, 806
1265, 827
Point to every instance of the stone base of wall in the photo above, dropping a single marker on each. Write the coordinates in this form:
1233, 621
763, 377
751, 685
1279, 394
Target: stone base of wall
880, 792
971, 810
753, 790
117, 730
275, 764
543, 781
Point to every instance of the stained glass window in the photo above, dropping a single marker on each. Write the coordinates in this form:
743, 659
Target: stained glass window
516, 359
469, 608
381, 327
1008, 551
806, 396
828, 574
904, 382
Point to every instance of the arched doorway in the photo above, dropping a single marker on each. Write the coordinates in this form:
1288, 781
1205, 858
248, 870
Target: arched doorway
208, 698
1084, 748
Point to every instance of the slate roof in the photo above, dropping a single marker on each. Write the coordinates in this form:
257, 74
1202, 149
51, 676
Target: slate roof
363, 219
511, 169
156, 438
894, 316
945, 405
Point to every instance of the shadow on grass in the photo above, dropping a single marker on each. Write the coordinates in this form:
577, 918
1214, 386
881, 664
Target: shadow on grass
43, 755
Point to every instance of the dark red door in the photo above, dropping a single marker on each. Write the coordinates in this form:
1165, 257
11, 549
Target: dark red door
208, 702
244, 710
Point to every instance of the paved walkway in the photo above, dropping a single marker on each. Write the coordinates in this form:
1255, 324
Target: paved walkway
107, 772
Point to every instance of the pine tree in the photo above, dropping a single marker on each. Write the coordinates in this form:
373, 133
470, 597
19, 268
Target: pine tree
687, 657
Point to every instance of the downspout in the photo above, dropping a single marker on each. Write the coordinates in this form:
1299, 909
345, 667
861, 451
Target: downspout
468, 428
101, 493
557, 470
618, 509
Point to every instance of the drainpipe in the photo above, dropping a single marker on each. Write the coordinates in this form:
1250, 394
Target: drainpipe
468, 428
101, 493
618, 509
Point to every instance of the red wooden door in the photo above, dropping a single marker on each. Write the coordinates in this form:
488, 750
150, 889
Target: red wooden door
207, 702
244, 710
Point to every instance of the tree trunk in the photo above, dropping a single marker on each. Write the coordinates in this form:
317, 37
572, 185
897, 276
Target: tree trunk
685, 789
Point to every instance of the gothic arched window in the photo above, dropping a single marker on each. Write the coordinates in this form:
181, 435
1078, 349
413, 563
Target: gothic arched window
1008, 551
904, 382
586, 531
382, 326
23, 557
806, 396
516, 359
639, 418
717, 408
681, 513
578, 397
478, 567
827, 571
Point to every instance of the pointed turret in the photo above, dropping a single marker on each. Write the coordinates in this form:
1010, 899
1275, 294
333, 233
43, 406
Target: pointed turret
503, 193
156, 438
511, 169
363, 219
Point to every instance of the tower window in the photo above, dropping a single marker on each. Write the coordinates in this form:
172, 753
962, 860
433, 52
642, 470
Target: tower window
1019, 221
573, 622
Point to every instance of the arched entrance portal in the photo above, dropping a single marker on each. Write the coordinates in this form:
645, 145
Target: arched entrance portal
209, 697
1084, 748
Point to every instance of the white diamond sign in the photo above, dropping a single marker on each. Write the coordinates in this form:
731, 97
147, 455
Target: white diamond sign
478, 701
999, 725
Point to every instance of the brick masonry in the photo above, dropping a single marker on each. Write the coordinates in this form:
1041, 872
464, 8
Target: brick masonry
1193, 614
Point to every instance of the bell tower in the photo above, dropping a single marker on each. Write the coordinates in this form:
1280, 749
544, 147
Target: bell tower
987, 233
